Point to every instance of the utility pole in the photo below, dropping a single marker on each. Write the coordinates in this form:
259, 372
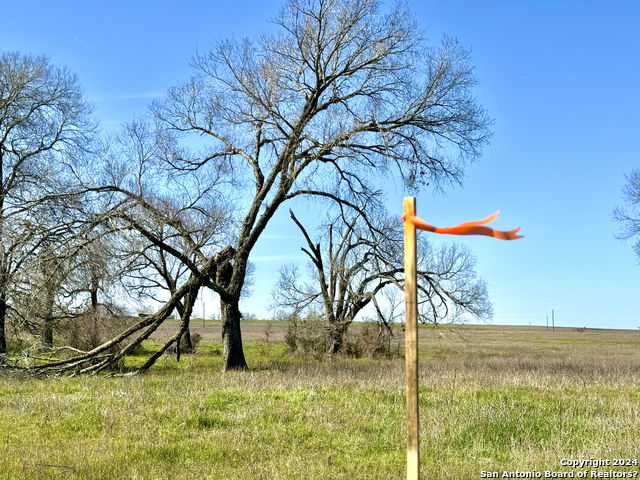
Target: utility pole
553, 323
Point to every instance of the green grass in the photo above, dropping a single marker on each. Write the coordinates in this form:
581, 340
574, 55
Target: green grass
505, 401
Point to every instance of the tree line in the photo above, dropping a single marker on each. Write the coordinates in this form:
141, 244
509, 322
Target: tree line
345, 99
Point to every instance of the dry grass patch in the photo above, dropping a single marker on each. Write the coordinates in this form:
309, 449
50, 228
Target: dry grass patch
505, 400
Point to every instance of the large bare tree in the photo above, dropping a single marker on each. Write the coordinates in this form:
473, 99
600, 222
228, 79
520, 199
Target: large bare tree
44, 123
345, 94
357, 263
345, 97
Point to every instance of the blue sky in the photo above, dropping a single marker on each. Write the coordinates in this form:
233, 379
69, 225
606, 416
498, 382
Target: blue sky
560, 79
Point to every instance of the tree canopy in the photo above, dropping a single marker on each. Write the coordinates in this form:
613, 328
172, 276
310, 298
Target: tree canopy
346, 96
45, 126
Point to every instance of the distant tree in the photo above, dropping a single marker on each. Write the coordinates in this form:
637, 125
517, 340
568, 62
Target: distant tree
34, 306
44, 124
345, 97
156, 273
95, 267
51, 275
68, 287
357, 264
629, 215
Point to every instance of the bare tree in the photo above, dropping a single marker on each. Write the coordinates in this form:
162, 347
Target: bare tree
90, 288
346, 91
345, 97
357, 264
165, 225
44, 122
630, 214
349, 272
67, 285
155, 273
449, 290
34, 293
51, 274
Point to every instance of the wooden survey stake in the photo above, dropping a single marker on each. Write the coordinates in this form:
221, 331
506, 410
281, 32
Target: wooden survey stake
411, 341
411, 222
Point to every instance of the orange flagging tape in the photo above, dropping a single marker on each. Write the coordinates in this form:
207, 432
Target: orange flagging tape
467, 228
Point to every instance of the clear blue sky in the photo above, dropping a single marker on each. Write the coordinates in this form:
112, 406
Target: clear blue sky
560, 78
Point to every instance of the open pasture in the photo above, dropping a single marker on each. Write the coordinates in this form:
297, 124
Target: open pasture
504, 399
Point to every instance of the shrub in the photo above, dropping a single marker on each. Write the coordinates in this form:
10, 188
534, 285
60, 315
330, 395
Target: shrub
196, 338
312, 335
90, 329
367, 341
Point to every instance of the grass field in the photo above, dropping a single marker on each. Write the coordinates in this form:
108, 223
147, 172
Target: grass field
506, 399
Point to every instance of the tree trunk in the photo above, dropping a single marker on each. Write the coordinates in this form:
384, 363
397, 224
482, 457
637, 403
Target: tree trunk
185, 342
3, 270
94, 332
47, 333
336, 334
3, 313
186, 308
233, 353
94, 298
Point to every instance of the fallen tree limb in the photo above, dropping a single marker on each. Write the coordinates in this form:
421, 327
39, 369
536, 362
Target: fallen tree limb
102, 352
